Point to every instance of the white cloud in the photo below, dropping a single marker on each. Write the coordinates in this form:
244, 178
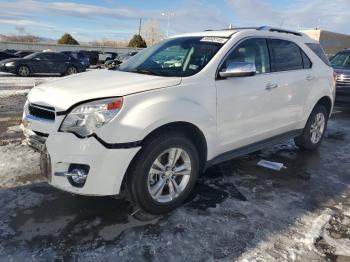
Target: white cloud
191, 15
69, 9
329, 15
22, 23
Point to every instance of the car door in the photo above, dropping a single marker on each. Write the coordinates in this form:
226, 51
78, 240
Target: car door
41, 63
295, 78
249, 108
61, 62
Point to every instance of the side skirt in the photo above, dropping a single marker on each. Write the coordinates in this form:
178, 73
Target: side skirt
253, 147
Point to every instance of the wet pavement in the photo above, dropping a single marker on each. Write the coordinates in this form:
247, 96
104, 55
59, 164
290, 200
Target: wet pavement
238, 211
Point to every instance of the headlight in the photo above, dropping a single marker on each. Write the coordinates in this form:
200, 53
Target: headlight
84, 119
10, 64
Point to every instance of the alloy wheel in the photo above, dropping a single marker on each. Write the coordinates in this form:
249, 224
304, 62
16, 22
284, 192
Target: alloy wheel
169, 175
23, 71
317, 128
71, 70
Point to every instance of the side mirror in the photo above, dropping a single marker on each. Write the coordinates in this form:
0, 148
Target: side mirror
37, 59
238, 69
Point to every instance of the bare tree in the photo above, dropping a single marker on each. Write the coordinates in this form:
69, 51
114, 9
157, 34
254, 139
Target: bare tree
151, 32
20, 38
110, 43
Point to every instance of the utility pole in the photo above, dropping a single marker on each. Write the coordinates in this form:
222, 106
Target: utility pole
168, 15
140, 27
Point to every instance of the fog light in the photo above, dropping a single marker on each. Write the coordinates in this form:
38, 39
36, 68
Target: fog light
78, 174
79, 177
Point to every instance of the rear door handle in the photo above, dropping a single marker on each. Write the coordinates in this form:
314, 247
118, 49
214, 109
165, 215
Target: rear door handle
271, 86
310, 77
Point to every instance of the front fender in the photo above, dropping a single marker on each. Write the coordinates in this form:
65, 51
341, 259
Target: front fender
142, 114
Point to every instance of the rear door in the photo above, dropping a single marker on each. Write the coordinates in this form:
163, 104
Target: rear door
292, 70
59, 62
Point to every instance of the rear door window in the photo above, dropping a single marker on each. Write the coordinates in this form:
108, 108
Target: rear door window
284, 55
58, 57
318, 50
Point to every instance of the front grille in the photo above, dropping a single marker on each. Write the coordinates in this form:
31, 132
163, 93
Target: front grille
43, 112
343, 81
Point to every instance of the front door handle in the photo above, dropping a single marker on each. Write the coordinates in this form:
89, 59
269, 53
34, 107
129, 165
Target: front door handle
309, 77
271, 86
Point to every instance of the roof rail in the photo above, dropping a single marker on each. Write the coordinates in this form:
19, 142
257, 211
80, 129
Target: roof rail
233, 28
278, 30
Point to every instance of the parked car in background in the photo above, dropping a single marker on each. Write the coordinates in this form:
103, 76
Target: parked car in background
105, 56
82, 56
93, 57
42, 62
11, 51
23, 53
341, 65
6, 55
151, 129
112, 64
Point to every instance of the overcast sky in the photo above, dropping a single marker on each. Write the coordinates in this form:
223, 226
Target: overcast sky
91, 20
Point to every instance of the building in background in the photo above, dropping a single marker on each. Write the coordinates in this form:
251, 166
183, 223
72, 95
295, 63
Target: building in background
331, 42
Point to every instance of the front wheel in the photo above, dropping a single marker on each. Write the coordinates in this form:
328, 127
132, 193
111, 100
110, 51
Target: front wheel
314, 130
23, 70
71, 70
163, 173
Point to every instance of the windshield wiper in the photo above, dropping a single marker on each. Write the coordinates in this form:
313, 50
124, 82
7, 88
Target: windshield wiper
146, 72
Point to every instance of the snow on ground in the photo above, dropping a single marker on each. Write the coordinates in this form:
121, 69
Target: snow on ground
13, 81
19, 166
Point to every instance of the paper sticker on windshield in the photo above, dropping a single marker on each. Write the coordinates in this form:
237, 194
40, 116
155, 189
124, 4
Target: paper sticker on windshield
214, 39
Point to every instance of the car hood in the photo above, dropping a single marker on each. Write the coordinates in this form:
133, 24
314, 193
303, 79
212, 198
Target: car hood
341, 71
10, 60
67, 91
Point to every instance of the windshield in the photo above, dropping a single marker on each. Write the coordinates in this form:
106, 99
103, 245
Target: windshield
183, 56
32, 55
341, 60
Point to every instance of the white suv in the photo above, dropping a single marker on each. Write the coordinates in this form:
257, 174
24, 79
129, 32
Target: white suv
176, 108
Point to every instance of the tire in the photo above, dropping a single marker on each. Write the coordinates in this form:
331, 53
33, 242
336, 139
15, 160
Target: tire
71, 70
142, 182
314, 130
23, 70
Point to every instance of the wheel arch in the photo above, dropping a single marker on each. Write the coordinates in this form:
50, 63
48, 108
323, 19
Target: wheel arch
326, 101
31, 71
188, 129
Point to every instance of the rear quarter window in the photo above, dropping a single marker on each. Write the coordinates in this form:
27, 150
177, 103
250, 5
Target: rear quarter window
318, 50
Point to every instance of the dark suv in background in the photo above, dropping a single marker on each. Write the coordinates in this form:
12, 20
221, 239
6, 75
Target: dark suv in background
341, 65
42, 62
82, 56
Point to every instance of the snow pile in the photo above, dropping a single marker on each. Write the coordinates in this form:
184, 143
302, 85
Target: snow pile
19, 165
13, 81
14, 92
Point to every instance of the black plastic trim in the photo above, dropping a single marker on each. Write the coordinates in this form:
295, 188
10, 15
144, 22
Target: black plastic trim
253, 147
117, 145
